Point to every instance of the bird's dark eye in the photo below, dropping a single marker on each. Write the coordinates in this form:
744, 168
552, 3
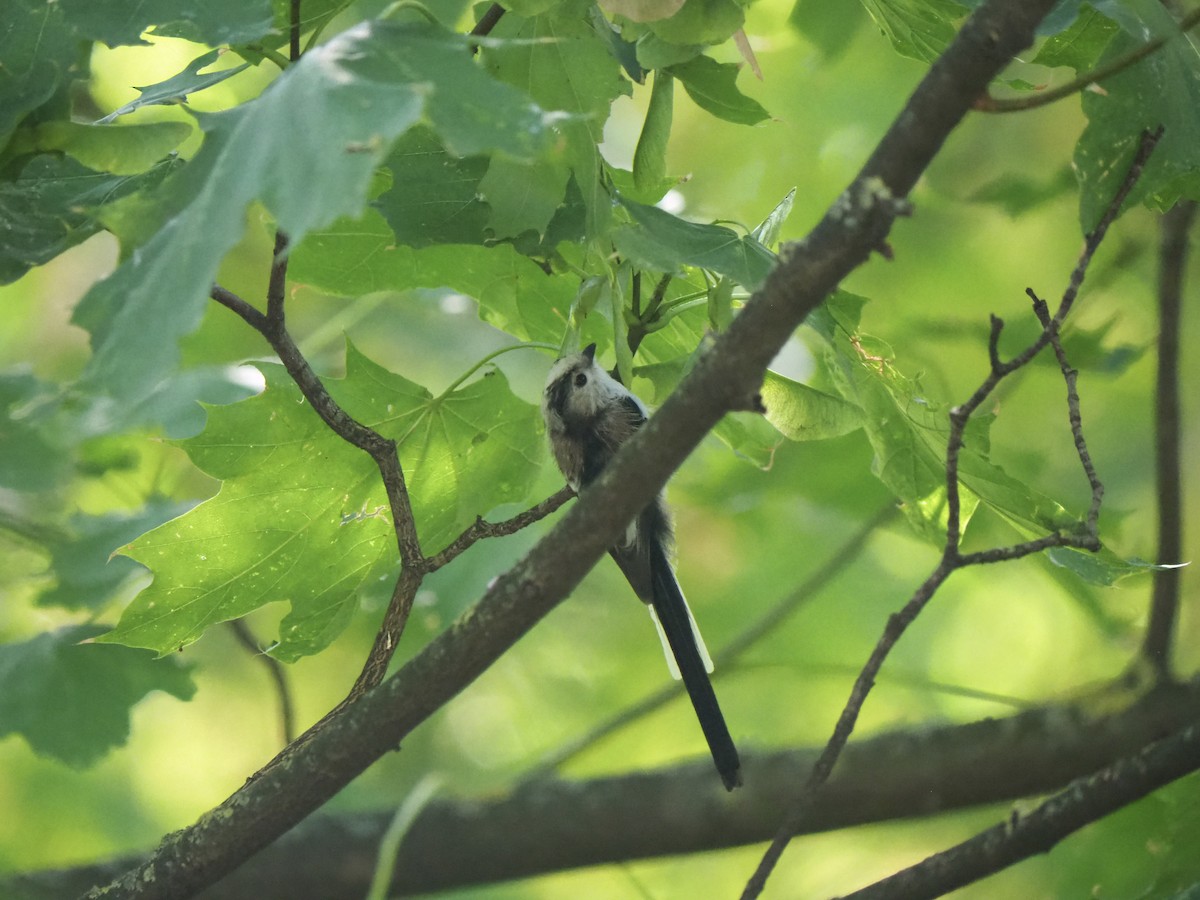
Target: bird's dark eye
580, 379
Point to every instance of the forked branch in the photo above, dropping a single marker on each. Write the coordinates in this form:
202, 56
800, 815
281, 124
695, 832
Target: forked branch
952, 560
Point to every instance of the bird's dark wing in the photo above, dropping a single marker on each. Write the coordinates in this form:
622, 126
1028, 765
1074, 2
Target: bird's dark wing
610, 431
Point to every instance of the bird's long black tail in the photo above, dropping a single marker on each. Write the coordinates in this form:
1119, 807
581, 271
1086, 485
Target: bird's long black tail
672, 612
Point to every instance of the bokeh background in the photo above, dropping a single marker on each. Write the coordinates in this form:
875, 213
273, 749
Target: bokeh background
996, 213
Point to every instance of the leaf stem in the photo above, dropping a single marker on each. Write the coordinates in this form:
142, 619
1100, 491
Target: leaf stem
283, 691
389, 845
294, 31
394, 10
488, 21
273, 55
536, 345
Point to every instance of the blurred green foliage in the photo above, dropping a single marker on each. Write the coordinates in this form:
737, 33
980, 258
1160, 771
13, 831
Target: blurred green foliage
445, 205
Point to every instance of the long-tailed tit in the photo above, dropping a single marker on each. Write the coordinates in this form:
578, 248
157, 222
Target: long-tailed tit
588, 416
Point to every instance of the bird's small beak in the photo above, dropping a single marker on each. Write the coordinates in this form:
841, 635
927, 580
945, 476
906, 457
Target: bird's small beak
590, 352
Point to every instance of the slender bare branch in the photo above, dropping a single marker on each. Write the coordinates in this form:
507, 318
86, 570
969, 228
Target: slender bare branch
801, 808
277, 287
1164, 602
481, 529
488, 21
1074, 415
294, 30
382, 450
952, 559
279, 679
252, 316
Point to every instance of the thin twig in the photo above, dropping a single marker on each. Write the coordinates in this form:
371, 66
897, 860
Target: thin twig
277, 284
482, 529
252, 316
415, 565
1071, 376
1164, 602
952, 559
896, 626
644, 320
1023, 835
989, 104
294, 31
287, 716
488, 21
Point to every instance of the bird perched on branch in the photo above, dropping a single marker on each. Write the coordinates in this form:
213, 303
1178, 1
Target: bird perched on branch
589, 414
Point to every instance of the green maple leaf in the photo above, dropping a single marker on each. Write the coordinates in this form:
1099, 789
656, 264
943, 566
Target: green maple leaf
71, 699
302, 516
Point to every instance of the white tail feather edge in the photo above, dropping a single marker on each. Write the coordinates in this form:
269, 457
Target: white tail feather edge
666, 645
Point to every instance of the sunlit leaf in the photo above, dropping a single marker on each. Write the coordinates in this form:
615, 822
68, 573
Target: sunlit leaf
661, 241
713, 87
918, 29
514, 293
118, 150
909, 432
178, 88
1103, 568
803, 413
302, 516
